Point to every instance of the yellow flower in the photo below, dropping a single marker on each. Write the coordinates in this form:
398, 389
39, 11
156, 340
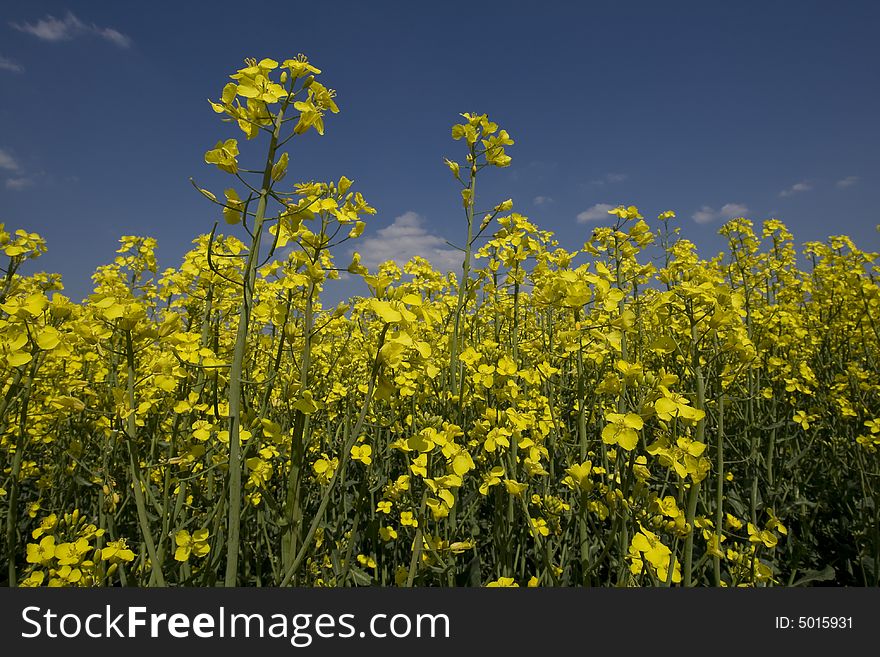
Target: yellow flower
648, 545
801, 418
366, 562
626, 213
732, 522
47, 525
191, 544
224, 155
762, 536
43, 552
539, 526
325, 468
362, 453
419, 465
497, 437
502, 582
117, 551
491, 478
622, 430
33, 580
69, 554
506, 366
387, 533
579, 476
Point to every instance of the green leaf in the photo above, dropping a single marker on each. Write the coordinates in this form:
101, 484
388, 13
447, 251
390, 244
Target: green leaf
825, 575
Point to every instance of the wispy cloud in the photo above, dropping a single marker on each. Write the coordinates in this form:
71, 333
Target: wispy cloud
610, 178
797, 188
7, 64
598, 212
18, 179
708, 214
407, 237
542, 200
704, 215
8, 162
849, 181
71, 27
17, 184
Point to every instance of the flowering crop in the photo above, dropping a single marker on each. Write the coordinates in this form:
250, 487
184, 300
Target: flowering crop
623, 414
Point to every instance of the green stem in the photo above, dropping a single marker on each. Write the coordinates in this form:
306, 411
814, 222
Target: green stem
236, 370
343, 461
719, 489
465, 274
12, 509
137, 482
694, 492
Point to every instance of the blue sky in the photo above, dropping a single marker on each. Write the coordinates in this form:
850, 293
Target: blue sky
763, 109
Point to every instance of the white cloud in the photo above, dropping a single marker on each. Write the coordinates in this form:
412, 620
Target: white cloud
707, 214
732, 210
610, 178
404, 238
596, 212
70, 27
7, 161
541, 200
115, 36
704, 215
796, 189
7, 64
16, 184
10, 164
849, 181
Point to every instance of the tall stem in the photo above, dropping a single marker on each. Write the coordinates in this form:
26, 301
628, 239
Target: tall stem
694, 492
235, 374
12, 510
465, 274
340, 470
137, 483
293, 511
719, 489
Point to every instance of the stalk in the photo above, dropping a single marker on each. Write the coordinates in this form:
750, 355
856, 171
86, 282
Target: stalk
235, 374
301, 425
623, 537
694, 492
12, 509
136, 481
582, 440
719, 488
343, 461
465, 273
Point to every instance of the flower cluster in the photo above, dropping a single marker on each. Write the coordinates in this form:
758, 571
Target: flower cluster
623, 413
